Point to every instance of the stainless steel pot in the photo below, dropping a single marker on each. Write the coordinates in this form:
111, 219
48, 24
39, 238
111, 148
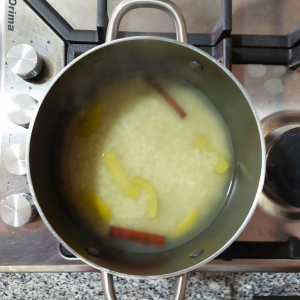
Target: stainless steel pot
79, 80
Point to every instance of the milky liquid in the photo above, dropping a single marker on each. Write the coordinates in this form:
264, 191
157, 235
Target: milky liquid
153, 142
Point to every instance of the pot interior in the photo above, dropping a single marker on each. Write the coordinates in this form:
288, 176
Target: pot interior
79, 82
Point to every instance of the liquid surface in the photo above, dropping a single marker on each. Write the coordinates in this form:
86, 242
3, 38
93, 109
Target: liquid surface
148, 165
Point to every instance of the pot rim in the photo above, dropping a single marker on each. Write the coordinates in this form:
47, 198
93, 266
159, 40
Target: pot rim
259, 188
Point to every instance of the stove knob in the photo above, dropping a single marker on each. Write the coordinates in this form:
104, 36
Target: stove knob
21, 109
18, 210
24, 61
14, 159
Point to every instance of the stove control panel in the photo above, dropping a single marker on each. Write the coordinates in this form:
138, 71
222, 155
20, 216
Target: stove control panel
14, 159
18, 209
32, 55
24, 61
21, 109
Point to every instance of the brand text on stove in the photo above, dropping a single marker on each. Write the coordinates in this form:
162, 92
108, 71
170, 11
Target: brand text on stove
11, 14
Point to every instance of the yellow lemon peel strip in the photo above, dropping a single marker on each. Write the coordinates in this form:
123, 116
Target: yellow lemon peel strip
144, 185
119, 176
187, 224
203, 143
91, 122
95, 204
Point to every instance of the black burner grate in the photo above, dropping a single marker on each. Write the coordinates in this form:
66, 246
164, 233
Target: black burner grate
221, 44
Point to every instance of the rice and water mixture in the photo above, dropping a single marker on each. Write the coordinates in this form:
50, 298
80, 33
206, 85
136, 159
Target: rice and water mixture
131, 127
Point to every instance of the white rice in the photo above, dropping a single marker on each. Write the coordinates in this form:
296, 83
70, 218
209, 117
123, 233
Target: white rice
154, 143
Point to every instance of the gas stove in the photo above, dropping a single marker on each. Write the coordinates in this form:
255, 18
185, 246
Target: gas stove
251, 38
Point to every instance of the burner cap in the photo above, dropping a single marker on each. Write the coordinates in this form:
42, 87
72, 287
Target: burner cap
283, 167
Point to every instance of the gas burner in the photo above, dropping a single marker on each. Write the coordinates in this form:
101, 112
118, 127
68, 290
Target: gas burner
282, 135
283, 167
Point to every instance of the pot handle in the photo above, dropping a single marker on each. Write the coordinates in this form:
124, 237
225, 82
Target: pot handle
167, 6
109, 291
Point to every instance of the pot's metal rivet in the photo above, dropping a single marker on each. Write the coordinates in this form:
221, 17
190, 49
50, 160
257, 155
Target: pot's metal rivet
195, 65
93, 251
196, 253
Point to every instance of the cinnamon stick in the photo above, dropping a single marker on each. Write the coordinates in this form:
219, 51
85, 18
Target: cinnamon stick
137, 236
167, 97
